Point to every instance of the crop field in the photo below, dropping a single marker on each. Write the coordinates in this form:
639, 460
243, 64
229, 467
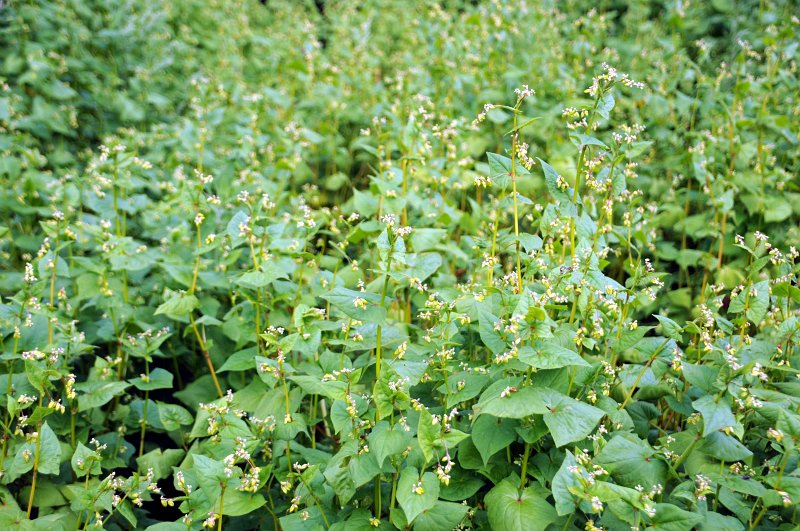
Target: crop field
399, 264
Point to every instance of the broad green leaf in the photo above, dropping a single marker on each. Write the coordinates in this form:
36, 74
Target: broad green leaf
462, 485
432, 440
238, 503
512, 509
350, 302
158, 379
178, 306
84, 461
673, 518
490, 435
716, 414
702, 376
210, 474
545, 355
670, 327
512, 402
426, 239
723, 447
95, 394
173, 416
334, 389
759, 302
443, 515
632, 461
563, 481
551, 179
715, 521
500, 168
160, 461
386, 441
580, 140
270, 272
415, 494
570, 420
49, 451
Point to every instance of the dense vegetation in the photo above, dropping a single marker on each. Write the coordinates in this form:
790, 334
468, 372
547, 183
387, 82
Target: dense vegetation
416, 265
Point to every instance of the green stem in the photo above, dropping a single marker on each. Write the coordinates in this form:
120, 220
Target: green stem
524, 472
686, 452
221, 502
383, 299
35, 463
206, 355
514, 142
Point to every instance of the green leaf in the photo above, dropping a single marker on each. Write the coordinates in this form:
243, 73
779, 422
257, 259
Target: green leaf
238, 503
570, 420
239, 218
580, 140
178, 306
210, 474
545, 355
348, 301
759, 302
776, 209
415, 494
84, 461
672, 518
426, 239
716, 414
427, 434
490, 435
716, 521
500, 170
754, 302
462, 485
270, 272
160, 461
431, 439
486, 323
724, 447
505, 400
95, 394
49, 451
670, 327
701, 376
243, 360
632, 461
511, 509
551, 180
563, 481
126, 510
159, 379
386, 441
173, 416
443, 515
312, 385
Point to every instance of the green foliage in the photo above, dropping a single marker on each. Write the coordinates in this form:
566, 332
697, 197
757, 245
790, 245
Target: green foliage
264, 268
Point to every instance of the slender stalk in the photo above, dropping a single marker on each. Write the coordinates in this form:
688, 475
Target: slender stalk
686, 452
36, 458
206, 355
524, 472
221, 502
383, 300
514, 143
642, 373
144, 410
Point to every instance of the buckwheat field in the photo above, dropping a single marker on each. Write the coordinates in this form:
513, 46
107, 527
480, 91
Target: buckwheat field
418, 265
